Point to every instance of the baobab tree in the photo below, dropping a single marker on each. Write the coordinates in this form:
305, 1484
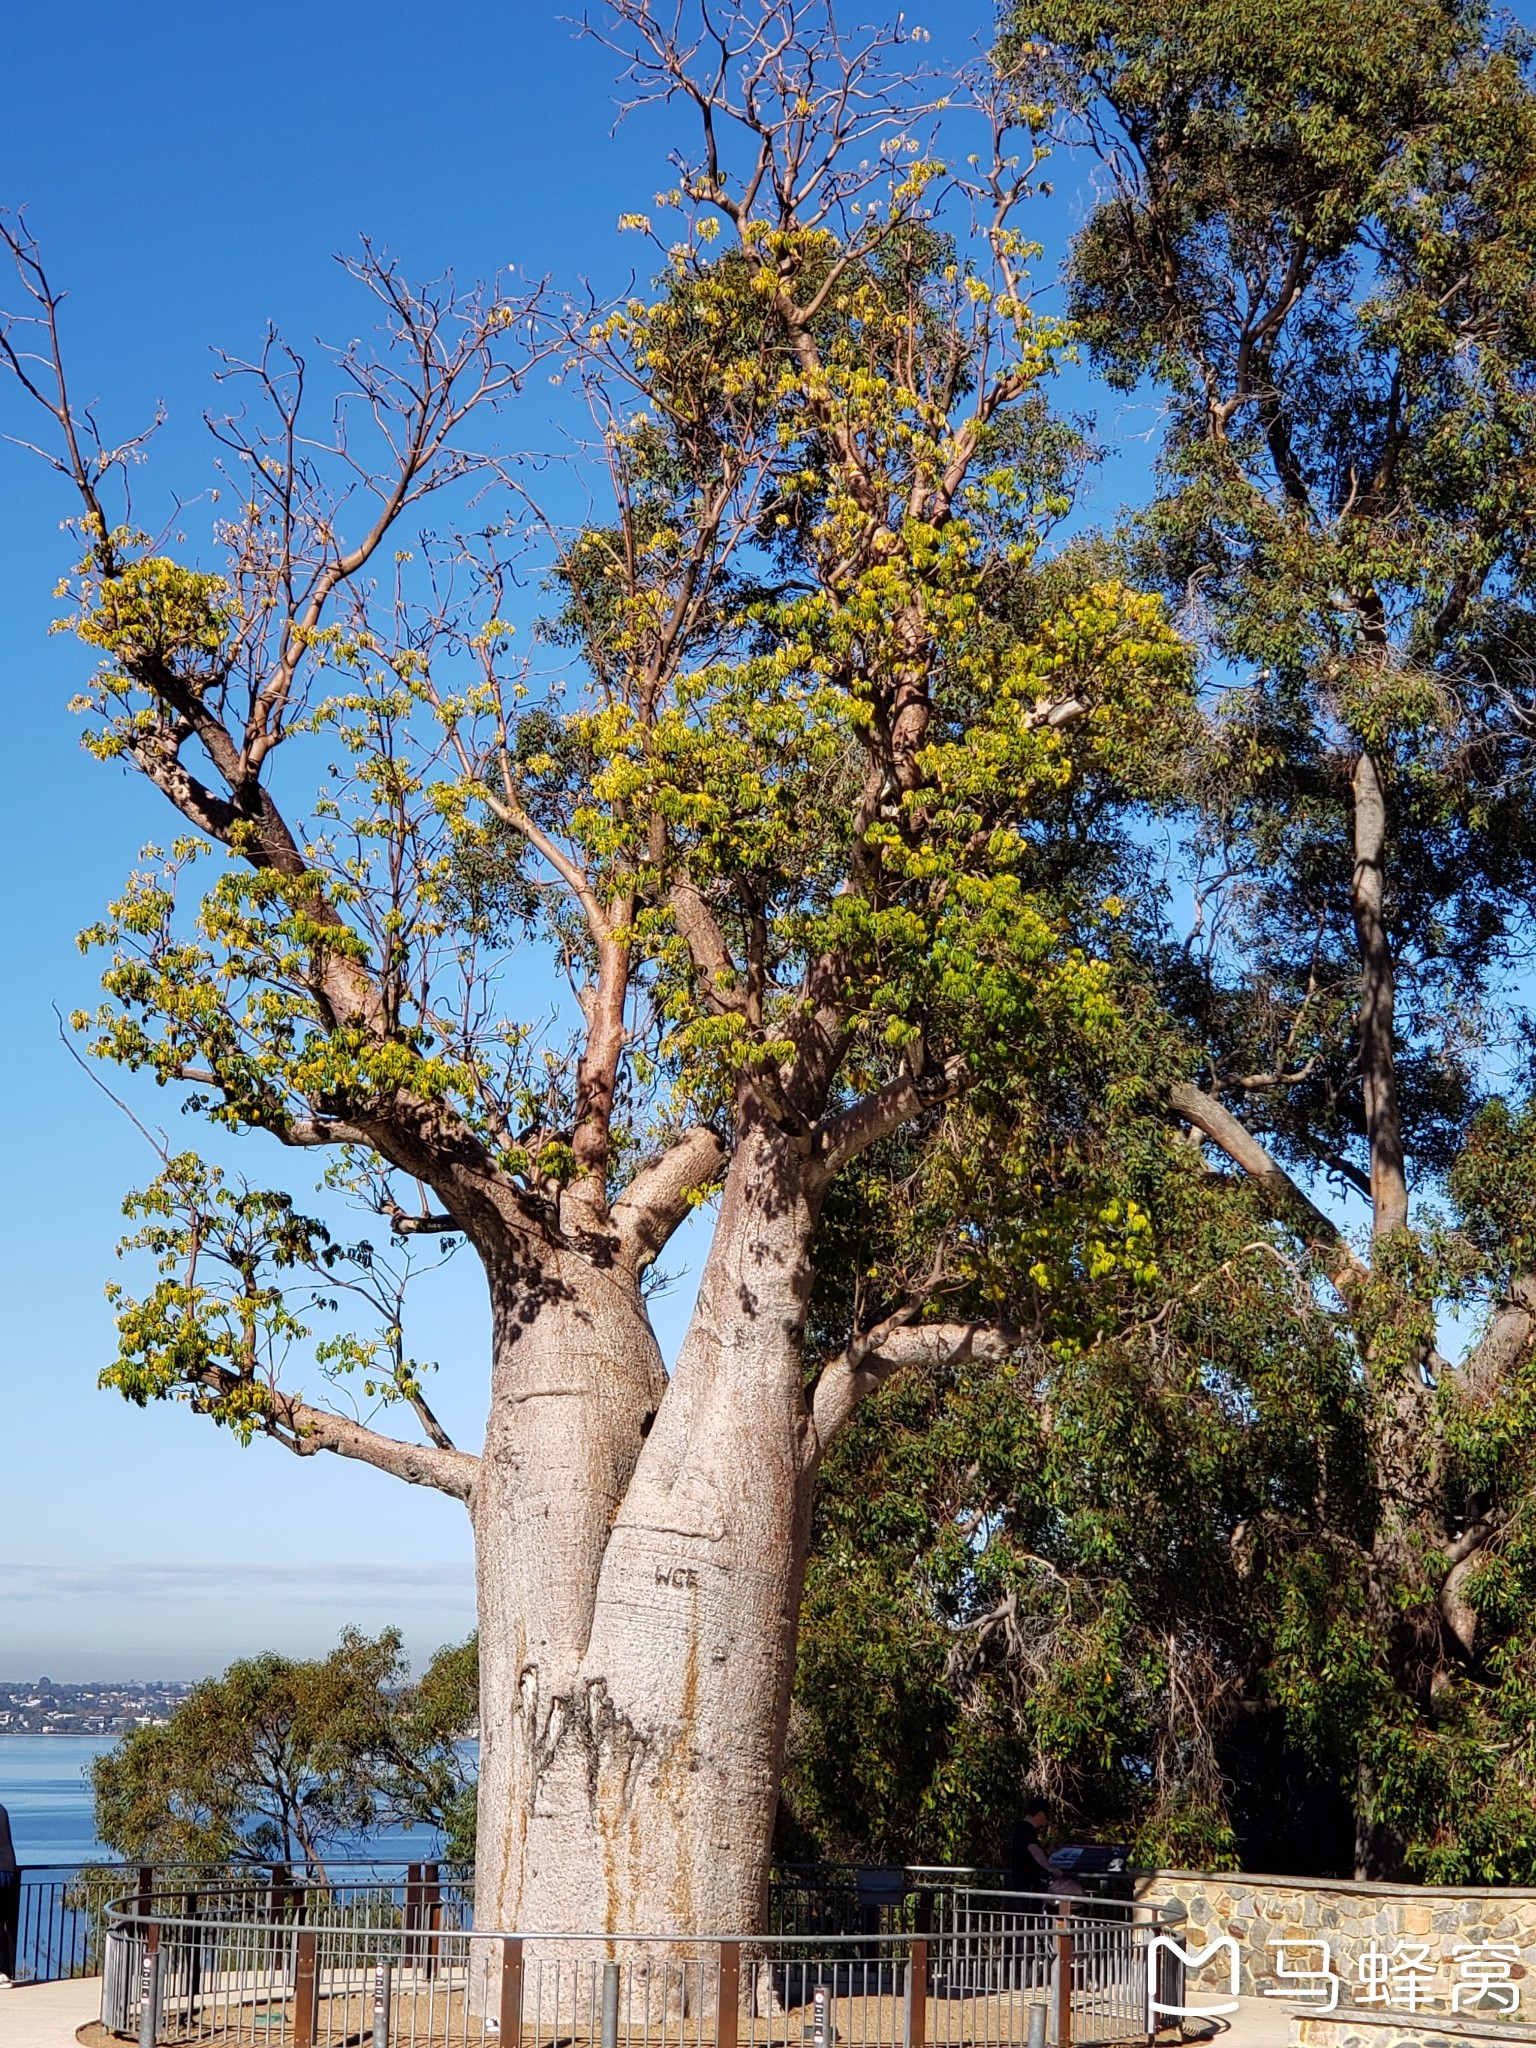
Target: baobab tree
783, 788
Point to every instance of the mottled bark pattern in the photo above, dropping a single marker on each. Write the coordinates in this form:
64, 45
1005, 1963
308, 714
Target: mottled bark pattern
640, 1580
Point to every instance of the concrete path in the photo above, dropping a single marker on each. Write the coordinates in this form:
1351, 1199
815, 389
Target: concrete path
46, 2015
1257, 2023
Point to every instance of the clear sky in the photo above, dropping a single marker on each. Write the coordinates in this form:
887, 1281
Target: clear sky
191, 170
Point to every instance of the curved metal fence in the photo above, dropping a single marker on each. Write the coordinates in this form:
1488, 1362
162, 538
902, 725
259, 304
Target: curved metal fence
382, 1970
60, 1906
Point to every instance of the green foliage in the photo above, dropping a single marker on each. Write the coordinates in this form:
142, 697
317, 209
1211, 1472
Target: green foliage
431, 1781
1138, 1568
1070, 1572
283, 1759
1318, 248
239, 1271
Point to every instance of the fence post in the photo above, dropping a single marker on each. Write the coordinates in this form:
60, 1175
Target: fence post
192, 1948
149, 1998
915, 2030
512, 1988
432, 1899
728, 1995
306, 2003
412, 1915
1063, 1975
609, 2036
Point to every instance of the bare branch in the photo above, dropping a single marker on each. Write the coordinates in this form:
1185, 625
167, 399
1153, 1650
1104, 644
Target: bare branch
837, 1139
871, 1359
724, 986
1294, 1208
664, 1193
1503, 1344
304, 1430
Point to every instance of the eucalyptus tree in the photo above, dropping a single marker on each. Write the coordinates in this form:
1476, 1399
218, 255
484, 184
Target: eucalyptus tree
288, 1760
781, 787
1313, 248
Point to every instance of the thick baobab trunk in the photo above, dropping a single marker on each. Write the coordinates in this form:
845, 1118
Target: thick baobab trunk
639, 1589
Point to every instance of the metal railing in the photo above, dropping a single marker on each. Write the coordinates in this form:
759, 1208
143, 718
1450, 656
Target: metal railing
217, 1967
60, 1906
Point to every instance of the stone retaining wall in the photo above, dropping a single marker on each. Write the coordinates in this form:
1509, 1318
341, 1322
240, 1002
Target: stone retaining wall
1407, 1934
1352, 2028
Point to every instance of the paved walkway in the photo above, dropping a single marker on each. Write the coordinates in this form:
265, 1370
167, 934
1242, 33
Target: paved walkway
46, 2015
1258, 2023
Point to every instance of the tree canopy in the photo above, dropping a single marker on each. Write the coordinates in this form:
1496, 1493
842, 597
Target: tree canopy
1032, 940
1266, 1527
291, 1760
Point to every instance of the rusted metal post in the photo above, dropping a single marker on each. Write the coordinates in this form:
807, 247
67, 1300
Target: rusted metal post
306, 2002
728, 1995
1063, 1976
412, 1916
512, 1988
432, 1901
915, 2031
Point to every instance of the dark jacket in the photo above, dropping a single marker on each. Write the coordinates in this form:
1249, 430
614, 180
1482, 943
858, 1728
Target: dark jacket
1028, 1870
7, 1847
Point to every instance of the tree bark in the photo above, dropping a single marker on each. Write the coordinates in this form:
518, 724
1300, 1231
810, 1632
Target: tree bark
640, 1583
1378, 1071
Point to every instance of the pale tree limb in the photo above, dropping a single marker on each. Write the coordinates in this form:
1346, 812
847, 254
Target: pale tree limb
837, 1139
1294, 1208
1378, 1075
870, 1361
1463, 1557
664, 1193
304, 1429
1503, 1344
724, 987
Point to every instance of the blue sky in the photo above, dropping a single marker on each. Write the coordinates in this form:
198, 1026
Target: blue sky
192, 170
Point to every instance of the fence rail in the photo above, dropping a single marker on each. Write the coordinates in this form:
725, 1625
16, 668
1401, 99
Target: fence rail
215, 1970
60, 1907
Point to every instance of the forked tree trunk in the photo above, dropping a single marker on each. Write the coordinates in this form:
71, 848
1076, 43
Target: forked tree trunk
639, 1584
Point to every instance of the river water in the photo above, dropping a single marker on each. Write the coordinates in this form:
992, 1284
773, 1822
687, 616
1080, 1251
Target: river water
45, 1787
